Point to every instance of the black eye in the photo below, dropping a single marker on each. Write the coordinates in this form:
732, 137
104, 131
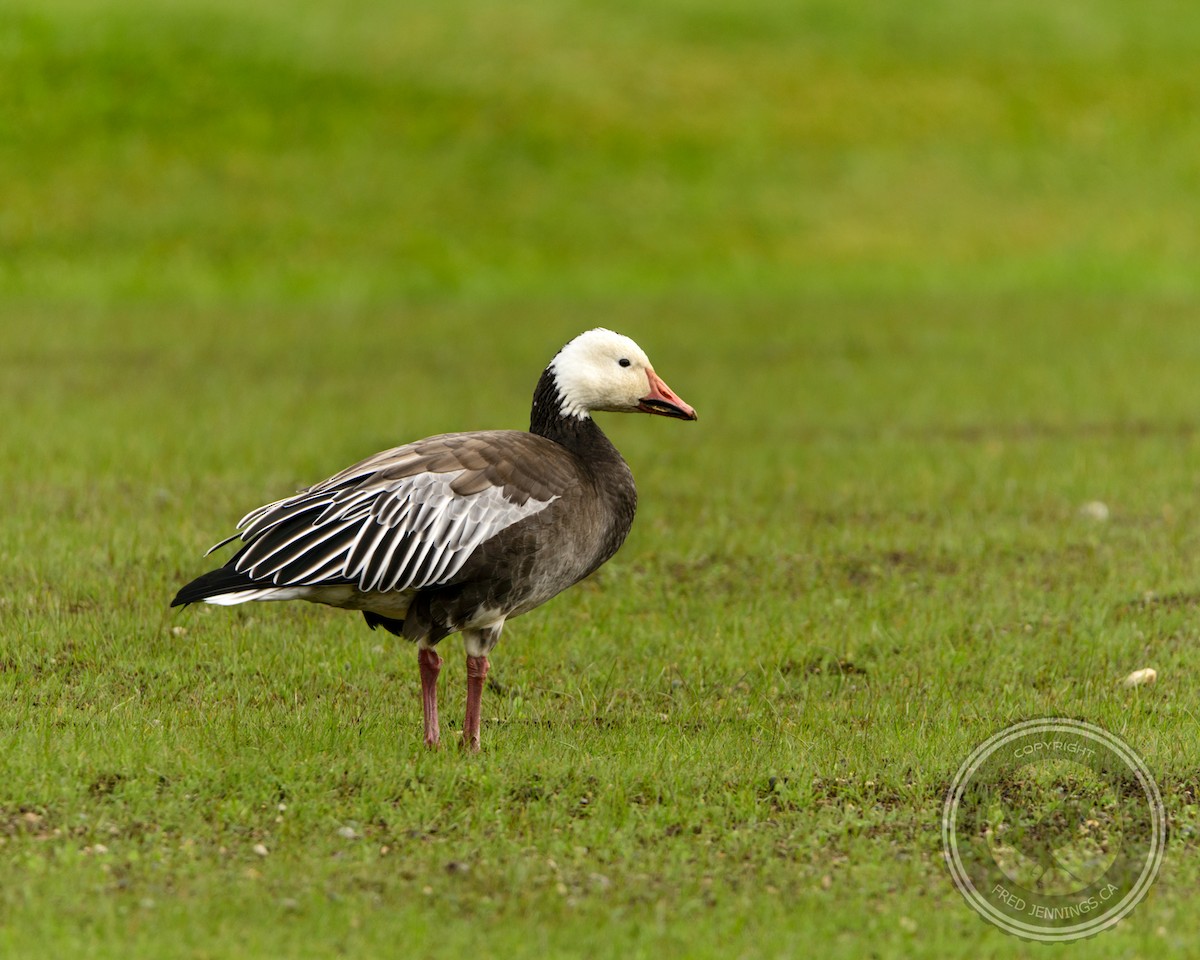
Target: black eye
623, 362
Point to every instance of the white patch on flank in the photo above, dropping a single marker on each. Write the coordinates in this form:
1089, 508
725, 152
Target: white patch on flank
589, 375
346, 596
238, 596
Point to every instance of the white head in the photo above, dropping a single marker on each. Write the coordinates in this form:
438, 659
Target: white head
602, 370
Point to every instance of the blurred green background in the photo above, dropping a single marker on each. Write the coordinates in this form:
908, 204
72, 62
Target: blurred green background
928, 272
357, 154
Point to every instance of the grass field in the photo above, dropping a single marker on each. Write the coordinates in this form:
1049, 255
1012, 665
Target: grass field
928, 272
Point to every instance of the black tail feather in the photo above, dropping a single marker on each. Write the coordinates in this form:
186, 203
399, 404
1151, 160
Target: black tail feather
214, 583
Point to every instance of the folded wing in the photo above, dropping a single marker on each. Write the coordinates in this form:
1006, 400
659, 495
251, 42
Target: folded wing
406, 518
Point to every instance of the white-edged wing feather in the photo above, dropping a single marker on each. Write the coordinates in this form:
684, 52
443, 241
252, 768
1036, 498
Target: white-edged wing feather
374, 529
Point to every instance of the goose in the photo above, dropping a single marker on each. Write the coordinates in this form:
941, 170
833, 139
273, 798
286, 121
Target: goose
460, 532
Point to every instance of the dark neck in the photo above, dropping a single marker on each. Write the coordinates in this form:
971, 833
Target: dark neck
579, 435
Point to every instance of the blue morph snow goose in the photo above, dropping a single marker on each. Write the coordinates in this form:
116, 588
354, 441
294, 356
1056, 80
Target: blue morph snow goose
460, 532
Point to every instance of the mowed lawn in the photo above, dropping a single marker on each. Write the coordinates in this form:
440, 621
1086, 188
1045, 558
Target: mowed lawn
927, 272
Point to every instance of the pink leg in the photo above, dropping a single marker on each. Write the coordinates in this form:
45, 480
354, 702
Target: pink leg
477, 669
431, 666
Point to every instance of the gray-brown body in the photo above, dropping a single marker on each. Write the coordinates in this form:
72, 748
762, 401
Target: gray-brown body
565, 471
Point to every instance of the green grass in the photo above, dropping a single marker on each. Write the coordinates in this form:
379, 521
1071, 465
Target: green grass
928, 275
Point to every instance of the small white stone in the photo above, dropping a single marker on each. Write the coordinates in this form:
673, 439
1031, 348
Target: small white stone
348, 833
1094, 510
179, 631
1140, 678
261, 849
